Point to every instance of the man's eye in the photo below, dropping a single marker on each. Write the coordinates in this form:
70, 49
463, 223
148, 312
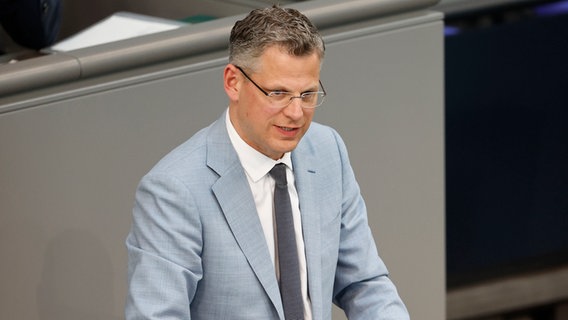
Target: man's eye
308, 95
279, 95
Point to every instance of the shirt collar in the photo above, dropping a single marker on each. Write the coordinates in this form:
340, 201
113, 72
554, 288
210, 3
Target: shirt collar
256, 164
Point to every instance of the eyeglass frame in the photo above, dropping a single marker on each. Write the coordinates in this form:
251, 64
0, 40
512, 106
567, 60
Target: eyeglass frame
269, 94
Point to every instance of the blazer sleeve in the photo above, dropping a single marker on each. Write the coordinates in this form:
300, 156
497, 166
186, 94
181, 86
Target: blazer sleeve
164, 249
362, 286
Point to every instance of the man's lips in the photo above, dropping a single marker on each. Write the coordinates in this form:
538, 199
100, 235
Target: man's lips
287, 128
288, 131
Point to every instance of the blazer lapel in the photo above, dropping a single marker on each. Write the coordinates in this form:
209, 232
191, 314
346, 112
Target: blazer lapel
306, 176
236, 201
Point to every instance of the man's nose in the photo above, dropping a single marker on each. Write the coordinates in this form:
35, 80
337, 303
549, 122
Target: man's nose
294, 110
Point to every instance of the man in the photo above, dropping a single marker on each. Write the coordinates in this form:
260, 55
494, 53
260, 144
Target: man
31, 23
206, 241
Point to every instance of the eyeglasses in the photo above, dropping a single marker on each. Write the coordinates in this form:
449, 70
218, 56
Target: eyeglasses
280, 99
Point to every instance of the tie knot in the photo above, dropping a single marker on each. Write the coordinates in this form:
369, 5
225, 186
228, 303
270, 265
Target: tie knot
278, 172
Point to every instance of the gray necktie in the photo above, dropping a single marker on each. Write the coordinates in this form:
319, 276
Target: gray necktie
287, 251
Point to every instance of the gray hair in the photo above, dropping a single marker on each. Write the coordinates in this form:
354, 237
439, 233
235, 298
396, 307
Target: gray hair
263, 28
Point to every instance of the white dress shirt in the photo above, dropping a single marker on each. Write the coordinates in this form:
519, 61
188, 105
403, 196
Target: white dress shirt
257, 166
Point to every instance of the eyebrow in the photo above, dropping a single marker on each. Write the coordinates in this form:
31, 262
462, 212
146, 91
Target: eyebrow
312, 89
265, 90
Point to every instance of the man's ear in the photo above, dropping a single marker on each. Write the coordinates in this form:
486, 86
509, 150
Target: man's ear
231, 82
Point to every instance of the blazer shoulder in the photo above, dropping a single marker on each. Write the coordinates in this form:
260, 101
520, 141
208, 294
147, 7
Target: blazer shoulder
322, 137
320, 132
191, 159
190, 150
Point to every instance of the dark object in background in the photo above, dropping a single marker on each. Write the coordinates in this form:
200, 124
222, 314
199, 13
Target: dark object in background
506, 145
32, 24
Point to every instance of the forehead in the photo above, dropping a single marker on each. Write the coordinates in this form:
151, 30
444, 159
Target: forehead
276, 59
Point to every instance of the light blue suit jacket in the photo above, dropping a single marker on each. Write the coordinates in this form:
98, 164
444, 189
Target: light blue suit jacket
197, 250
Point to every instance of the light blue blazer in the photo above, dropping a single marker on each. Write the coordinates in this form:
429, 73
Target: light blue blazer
196, 249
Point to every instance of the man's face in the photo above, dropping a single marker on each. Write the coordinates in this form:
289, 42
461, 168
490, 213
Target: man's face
272, 131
